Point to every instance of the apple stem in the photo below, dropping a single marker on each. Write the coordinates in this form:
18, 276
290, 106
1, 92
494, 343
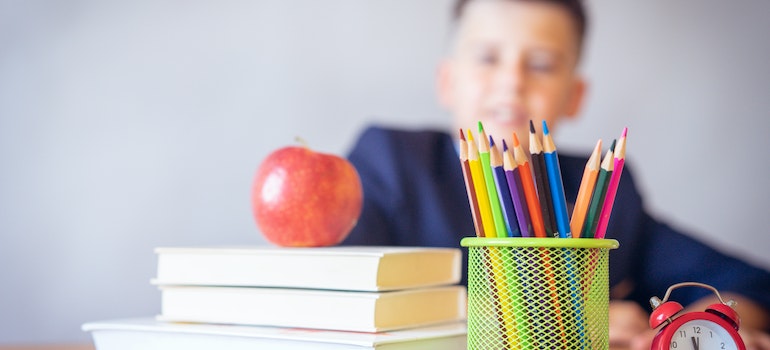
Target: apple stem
301, 141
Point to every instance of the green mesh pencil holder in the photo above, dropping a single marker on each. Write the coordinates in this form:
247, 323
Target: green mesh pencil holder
538, 293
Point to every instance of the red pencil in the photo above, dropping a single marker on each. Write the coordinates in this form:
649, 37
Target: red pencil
528, 186
541, 181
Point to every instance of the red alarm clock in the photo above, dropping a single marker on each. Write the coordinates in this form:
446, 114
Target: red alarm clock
715, 328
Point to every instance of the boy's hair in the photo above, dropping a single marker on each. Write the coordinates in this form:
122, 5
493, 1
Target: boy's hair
575, 9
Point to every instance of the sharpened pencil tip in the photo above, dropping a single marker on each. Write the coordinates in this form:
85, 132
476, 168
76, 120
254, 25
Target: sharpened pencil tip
505, 146
531, 126
612, 146
625, 131
491, 141
481, 127
470, 135
545, 128
462, 136
516, 142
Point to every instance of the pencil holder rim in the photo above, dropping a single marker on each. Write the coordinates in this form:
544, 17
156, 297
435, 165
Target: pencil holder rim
540, 242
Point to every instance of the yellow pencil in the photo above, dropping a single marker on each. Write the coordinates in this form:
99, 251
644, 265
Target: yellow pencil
495, 259
587, 185
477, 176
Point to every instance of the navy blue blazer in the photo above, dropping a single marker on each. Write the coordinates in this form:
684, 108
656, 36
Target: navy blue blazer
414, 195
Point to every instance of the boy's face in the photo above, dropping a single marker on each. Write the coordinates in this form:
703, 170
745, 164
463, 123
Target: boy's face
512, 61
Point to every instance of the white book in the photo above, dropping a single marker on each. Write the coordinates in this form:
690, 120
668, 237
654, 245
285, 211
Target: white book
149, 334
364, 268
309, 308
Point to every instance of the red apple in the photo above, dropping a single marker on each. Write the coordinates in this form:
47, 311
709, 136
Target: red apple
303, 198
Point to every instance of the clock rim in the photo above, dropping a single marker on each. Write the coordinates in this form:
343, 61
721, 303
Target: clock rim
663, 338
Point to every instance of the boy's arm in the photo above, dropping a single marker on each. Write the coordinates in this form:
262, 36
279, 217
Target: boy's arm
670, 257
373, 226
663, 256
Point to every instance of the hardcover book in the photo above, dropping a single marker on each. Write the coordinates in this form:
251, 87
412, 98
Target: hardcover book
339, 267
149, 334
320, 309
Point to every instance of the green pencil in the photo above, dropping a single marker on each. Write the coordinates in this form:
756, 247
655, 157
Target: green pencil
489, 179
600, 191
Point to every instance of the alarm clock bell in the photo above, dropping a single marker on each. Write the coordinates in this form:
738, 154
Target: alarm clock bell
714, 328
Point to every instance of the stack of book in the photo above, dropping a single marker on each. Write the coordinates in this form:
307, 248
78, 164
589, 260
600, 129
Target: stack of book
300, 298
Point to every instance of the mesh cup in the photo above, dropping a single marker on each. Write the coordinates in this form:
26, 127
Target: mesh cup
538, 293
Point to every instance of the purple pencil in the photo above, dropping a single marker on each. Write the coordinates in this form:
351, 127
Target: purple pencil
517, 192
503, 194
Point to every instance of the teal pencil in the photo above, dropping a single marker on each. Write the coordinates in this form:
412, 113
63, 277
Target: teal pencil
612, 186
600, 191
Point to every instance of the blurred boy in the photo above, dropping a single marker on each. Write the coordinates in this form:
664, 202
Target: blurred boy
512, 61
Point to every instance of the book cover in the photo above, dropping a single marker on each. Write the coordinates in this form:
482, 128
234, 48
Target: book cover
149, 334
339, 267
308, 308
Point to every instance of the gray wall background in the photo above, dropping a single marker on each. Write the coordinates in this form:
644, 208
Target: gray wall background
126, 125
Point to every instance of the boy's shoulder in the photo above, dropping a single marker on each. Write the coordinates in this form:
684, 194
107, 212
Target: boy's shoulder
411, 143
382, 133
405, 150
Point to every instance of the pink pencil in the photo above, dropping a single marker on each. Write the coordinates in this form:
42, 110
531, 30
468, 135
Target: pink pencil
612, 187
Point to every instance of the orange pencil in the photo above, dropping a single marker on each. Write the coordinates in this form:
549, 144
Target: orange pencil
587, 185
472, 199
477, 176
528, 184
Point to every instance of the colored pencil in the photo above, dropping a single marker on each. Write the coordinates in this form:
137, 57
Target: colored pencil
612, 187
587, 184
506, 282
514, 186
494, 203
513, 178
512, 271
541, 181
597, 198
503, 193
562, 225
528, 187
477, 175
557, 186
502, 274
469, 188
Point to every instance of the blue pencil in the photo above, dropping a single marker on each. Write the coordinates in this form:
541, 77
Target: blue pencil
562, 224
557, 186
506, 203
